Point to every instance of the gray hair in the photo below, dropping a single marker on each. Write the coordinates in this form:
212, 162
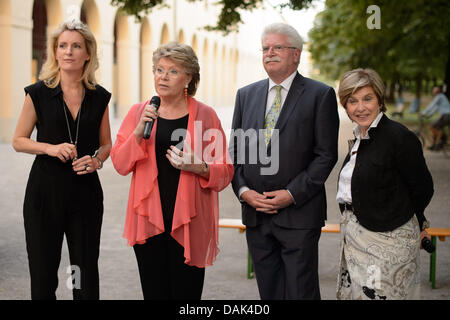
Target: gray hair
293, 37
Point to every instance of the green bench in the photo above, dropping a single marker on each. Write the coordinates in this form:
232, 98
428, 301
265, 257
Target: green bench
440, 233
237, 224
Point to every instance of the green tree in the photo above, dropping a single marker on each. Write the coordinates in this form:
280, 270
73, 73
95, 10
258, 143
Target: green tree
412, 43
229, 18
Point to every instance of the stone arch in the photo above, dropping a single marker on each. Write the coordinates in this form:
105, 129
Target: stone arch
54, 14
205, 74
90, 15
39, 38
181, 36
225, 83
46, 15
165, 36
146, 55
5, 8
121, 66
234, 68
217, 76
194, 44
6, 110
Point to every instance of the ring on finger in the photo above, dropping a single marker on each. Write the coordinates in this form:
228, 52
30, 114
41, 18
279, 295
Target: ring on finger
86, 167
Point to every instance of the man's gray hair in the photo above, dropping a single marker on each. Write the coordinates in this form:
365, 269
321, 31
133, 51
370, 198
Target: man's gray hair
293, 37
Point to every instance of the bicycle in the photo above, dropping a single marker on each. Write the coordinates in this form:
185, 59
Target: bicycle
424, 134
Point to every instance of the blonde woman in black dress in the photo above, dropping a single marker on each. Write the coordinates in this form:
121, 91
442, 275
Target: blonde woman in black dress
63, 194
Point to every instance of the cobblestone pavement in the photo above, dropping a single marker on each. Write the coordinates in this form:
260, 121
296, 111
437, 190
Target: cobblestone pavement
227, 278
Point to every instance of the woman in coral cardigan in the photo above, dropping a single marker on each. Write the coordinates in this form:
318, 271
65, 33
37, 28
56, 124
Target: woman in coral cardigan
172, 213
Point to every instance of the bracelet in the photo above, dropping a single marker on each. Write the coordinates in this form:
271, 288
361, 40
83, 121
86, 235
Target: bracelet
205, 167
100, 162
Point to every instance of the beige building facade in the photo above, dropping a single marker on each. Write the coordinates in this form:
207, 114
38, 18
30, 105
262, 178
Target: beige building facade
125, 49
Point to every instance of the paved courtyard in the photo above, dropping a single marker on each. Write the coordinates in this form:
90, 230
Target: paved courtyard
226, 280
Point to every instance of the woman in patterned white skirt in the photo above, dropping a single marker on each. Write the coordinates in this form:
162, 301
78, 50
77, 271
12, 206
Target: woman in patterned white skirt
384, 187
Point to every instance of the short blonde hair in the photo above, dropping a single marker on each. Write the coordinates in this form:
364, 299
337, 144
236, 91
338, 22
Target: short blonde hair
356, 79
185, 56
50, 70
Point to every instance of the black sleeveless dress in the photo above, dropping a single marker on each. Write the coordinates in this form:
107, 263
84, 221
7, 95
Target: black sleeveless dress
58, 201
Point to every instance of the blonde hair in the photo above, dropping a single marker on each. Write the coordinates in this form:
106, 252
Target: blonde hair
185, 56
50, 70
356, 79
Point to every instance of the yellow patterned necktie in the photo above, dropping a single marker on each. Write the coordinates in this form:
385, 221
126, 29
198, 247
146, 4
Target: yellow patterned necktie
272, 116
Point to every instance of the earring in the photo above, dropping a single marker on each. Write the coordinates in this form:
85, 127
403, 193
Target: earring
186, 91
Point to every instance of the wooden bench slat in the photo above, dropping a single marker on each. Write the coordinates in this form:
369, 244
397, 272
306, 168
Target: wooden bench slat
332, 227
439, 232
237, 224
329, 227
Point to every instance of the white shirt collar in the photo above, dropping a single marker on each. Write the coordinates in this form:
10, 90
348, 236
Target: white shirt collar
286, 84
357, 130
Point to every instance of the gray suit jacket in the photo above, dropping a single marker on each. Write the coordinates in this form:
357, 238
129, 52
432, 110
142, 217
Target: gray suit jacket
307, 150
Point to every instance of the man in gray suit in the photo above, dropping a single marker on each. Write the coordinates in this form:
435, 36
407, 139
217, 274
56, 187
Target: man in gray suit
286, 148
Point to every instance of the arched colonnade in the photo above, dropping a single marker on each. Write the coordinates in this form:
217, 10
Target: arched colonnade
125, 51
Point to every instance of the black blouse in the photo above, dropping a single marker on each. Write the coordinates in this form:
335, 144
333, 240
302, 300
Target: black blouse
168, 176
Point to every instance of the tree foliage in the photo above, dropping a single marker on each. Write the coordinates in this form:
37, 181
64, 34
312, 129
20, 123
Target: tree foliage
229, 18
412, 43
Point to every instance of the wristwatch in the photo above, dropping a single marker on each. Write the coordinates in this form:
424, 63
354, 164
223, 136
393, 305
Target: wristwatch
100, 162
425, 225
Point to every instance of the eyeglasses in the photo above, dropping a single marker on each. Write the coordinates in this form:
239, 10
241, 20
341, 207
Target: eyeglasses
171, 73
276, 49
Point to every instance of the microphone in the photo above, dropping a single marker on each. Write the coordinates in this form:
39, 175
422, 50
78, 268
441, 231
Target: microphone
155, 102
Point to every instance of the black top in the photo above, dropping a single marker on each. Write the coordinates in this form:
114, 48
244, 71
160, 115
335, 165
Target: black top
390, 181
53, 186
168, 176
52, 125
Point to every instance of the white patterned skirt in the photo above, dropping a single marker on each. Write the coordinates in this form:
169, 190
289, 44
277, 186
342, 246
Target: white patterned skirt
378, 265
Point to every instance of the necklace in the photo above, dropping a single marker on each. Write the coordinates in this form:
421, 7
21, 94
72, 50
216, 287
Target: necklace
78, 121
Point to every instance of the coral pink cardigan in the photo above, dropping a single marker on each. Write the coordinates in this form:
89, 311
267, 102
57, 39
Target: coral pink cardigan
196, 213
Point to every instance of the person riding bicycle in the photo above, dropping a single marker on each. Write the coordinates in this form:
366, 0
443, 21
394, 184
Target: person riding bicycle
439, 104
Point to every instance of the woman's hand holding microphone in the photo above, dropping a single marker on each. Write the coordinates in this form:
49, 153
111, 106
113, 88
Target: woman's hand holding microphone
148, 115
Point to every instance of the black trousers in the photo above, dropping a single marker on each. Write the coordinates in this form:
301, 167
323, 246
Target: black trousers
163, 273
285, 261
55, 206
